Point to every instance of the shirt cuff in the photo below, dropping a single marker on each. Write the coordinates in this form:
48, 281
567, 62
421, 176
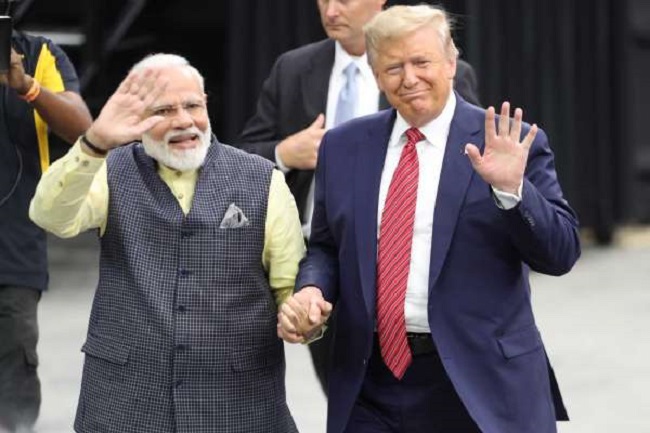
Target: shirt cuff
84, 163
506, 200
317, 335
279, 163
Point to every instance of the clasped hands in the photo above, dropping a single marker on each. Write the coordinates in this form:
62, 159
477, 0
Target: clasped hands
303, 315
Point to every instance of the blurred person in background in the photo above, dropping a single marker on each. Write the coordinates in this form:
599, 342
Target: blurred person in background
39, 95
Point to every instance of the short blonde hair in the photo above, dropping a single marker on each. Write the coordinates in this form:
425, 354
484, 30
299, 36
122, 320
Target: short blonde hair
398, 21
164, 60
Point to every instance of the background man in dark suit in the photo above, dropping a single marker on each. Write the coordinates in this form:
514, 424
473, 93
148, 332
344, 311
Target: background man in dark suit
299, 102
424, 244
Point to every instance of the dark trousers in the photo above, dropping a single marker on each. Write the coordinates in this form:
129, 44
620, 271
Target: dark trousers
20, 389
424, 401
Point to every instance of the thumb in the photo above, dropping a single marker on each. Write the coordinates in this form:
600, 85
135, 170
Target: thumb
315, 311
326, 309
473, 154
319, 122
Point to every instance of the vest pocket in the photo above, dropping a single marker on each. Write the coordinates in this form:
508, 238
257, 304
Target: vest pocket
520, 342
254, 358
106, 349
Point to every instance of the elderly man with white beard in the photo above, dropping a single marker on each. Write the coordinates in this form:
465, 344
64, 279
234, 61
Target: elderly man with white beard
200, 243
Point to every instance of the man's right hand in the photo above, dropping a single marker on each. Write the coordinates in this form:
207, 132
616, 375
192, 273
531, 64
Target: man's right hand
124, 117
300, 150
302, 316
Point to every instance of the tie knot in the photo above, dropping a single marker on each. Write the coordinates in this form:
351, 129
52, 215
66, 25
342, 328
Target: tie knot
350, 71
413, 135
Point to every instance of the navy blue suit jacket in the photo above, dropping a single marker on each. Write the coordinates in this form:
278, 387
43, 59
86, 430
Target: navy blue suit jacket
479, 306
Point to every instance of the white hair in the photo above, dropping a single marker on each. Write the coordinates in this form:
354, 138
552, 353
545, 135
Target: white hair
164, 60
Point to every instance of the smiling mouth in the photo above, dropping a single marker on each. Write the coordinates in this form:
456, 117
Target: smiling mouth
412, 95
184, 141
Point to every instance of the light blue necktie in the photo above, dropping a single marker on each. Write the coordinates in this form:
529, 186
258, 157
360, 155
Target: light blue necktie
345, 107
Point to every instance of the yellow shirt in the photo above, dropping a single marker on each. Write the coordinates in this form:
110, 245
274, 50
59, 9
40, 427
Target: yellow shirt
72, 197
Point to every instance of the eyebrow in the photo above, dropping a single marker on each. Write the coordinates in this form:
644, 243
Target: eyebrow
161, 106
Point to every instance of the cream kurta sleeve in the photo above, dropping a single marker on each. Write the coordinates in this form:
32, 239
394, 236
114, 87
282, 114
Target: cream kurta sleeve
72, 195
283, 243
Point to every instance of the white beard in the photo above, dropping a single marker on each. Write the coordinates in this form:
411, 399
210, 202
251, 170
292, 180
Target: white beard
178, 159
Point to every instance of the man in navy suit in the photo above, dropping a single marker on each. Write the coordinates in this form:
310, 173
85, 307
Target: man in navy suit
462, 352
298, 103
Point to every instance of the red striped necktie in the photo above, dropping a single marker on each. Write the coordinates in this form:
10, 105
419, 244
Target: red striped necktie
394, 257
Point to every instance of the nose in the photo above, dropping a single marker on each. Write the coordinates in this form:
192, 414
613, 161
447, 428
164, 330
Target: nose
182, 119
331, 10
410, 76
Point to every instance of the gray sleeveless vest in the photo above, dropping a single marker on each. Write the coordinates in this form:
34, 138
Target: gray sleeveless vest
182, 334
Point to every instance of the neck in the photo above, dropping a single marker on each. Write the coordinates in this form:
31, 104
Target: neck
354, 48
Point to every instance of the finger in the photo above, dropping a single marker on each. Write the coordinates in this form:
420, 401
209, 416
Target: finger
148, 123
148, 83
504, 120
290, 337
490, 128
299, 307
327, 309
530, 137
515, 132
315, 312
319, 123
287, 310
286, 323
125, 85
155, 90
473, 154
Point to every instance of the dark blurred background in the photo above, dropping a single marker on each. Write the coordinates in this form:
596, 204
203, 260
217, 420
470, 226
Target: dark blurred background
579, 68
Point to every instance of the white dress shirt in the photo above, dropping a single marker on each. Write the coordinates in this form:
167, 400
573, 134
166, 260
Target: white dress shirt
430, 155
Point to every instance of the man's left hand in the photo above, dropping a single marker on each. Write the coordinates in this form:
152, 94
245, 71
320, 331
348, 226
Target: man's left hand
503, 162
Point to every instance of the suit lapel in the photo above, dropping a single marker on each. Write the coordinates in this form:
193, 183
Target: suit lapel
455, 177
371, 154
315, 82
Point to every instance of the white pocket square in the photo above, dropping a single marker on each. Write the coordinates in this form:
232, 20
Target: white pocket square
234, 218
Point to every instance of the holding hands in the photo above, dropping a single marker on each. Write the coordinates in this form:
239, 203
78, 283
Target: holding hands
125, 117
303, 315
504, 158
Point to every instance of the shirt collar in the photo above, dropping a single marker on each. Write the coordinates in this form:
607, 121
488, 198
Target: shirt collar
342, 59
